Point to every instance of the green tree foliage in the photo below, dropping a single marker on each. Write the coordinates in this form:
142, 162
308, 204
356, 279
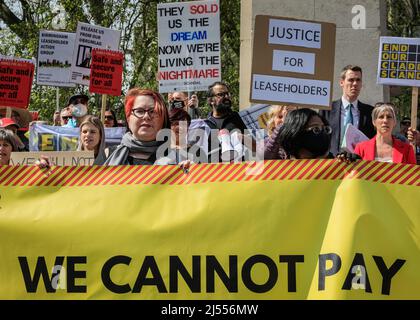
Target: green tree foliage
403, 21
20, 22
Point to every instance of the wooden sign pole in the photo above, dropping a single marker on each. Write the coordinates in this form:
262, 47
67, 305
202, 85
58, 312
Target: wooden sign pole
414, 104
104, 97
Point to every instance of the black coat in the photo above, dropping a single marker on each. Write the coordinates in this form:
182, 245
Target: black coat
333, 117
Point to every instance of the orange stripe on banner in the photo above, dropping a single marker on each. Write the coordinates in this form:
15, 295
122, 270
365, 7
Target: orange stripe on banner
147, 175
282, 170
277, 170
219, 172
141, 173
139, 170
104, 174
54, 175
318, 168
416, 177
409, 176
302, 165
337, 165
325, 170
217, 167
14, 175
18, 177
255, 170
361, 166
35, 172
229, 172
198, 170
310, 167
45, 176
92, 172
66, 178
270, 167
157, 176
374, 172
401, 175
41, 175
30, 170
342, 172
4, 169
262, 167
76, 178
96, 176
194, 170
6, 174
288, 172
51, 174
120, 175
57, 174
235, 176
24, 175
392, 172
173, 174
113, 174
128, 175
370, 167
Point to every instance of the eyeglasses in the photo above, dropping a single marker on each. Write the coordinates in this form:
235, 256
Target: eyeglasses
318, 130
109, 118
222, 94
139, 113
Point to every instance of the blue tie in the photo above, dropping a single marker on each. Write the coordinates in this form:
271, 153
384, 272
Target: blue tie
348, 118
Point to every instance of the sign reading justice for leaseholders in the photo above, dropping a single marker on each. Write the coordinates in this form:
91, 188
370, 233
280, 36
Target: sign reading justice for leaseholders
189, 45
293, 62
399, 61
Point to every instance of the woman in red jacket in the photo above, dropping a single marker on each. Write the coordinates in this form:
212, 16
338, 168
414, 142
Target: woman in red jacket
384, 147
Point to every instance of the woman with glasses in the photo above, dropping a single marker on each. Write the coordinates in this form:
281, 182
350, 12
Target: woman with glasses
146, 114
305, 134
92, 138
110, 119
383, 146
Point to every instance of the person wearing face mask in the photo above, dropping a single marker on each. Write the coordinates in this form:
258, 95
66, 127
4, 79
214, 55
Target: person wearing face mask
305, 134
180, 100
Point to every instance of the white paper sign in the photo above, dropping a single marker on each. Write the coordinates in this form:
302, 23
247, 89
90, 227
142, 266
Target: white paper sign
295, 33
55, 54
189, 45
352, 137
293, 61
89, 37
305, 91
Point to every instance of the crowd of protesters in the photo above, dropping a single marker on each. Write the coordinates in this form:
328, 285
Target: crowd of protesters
157, 132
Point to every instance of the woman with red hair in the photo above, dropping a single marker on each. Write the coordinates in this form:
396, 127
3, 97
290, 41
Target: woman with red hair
146, 114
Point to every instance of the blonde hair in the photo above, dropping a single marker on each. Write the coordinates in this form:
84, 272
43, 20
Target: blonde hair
379, 108
273, 112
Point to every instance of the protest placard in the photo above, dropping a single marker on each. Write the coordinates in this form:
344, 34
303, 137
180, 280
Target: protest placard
352, 137
106, 72
58, 158
53, 138
189, 45
55, 54
293, 62
16, 77
399, 61
89, 37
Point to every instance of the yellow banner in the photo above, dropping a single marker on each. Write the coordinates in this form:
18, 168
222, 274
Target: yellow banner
306, 229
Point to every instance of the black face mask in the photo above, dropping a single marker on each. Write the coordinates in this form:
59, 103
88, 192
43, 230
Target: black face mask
317, 144
224, 106
177, 104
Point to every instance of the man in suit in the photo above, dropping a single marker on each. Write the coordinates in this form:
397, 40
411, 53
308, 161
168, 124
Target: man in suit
349, 109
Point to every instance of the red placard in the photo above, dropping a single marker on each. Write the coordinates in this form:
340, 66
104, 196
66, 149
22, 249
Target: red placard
106, 72
15, 82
